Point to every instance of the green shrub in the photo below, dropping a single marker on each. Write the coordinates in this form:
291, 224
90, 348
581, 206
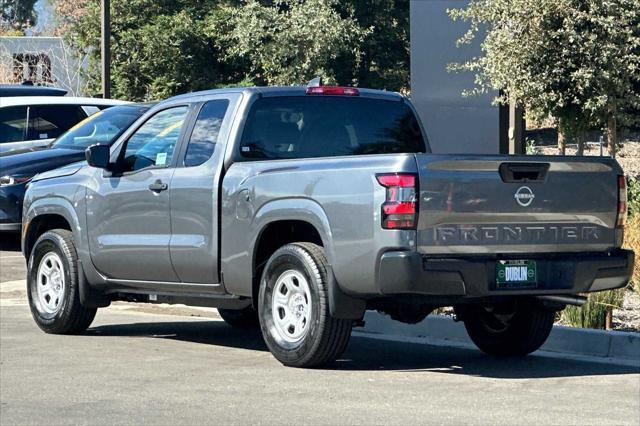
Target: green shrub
593, 313
632, 241
531, 147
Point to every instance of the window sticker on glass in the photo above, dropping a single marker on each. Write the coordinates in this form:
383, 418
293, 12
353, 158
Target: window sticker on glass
43, 136
161, 159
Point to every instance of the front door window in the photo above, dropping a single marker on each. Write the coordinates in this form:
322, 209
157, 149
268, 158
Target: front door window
154, 143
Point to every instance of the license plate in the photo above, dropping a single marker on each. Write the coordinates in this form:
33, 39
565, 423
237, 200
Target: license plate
516, 274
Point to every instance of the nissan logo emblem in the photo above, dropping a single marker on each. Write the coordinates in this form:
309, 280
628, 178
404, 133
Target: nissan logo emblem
524, 196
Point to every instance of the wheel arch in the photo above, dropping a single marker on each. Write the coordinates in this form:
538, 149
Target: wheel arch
297, 220
306, 216
42, 217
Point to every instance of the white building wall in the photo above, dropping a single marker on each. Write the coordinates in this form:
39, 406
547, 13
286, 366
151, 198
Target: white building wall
454, 124
65, 66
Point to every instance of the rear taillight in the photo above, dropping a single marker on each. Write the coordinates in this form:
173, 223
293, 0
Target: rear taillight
332, 90
399, 210
622, 202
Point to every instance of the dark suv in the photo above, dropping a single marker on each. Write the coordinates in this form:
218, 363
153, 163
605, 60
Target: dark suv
9, 90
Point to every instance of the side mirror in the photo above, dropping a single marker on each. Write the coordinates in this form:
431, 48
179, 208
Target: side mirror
98, 156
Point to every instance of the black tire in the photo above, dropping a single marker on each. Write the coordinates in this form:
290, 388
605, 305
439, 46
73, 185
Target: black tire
515, 328
69, 316
325, 337
240, 318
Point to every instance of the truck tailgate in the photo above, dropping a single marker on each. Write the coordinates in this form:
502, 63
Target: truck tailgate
516, 204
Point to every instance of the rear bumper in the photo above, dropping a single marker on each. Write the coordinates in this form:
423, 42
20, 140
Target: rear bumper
474, 277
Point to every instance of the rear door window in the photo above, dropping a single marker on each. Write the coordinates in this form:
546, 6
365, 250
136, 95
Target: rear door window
205, 133
308, 127
13, 124
50, 121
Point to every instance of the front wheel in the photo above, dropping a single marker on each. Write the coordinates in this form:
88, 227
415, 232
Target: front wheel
52, 285
514, 328
293, 307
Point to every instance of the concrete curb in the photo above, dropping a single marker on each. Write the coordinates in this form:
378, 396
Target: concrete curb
441, 330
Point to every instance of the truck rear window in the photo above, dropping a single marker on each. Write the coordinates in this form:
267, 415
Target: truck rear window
308, 127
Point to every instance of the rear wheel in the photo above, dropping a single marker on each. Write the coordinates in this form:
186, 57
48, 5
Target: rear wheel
294, 308
514, 328
52, 285
240, 318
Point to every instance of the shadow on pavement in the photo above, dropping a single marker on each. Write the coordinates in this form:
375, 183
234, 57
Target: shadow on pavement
373, 354
206, 332
364, 354
10, 241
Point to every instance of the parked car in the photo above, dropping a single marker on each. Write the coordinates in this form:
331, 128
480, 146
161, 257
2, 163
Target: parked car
28, 122
300, 208
16, 171
26, 89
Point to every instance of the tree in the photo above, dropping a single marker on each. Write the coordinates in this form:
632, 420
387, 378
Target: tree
385, 50
159, 48
575, 60
67, 12
163, 47
291, 41
16, 14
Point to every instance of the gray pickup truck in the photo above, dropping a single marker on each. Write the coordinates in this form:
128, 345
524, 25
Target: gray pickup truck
296, 209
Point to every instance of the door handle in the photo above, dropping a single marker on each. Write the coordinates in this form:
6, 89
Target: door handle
158, 186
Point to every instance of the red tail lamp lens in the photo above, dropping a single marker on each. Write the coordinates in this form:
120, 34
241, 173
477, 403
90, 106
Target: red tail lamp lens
399, 210
397, 180
333, 90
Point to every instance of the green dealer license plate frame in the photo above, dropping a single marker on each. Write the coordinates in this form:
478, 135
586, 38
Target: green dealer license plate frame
516, 274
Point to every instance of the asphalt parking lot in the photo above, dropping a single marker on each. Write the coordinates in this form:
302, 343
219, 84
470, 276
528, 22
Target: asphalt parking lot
183, 366
12, 264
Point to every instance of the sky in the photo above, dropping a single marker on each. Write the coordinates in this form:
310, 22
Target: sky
44, 24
